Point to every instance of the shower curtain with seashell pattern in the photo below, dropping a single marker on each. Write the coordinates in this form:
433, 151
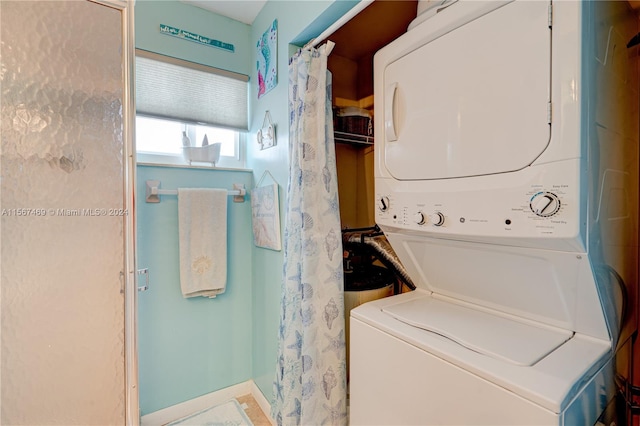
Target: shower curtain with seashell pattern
310, 383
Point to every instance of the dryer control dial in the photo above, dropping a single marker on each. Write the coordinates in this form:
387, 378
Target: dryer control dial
419, 218
545, 204
437, 219
383, 203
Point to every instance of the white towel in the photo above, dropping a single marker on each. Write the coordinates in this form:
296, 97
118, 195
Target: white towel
202, 227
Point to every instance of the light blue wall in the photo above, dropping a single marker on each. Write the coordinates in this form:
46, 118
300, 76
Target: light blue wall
149, 14
190, 347
298, 22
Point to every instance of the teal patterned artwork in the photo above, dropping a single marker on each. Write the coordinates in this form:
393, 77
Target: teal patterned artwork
267, 62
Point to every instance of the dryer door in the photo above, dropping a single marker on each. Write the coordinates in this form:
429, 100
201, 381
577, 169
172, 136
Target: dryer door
474, 101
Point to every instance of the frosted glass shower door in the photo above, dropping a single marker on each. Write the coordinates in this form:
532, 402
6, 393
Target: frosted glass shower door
64, 224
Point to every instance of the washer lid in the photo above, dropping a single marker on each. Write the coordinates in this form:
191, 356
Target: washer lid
500, 337
473, 101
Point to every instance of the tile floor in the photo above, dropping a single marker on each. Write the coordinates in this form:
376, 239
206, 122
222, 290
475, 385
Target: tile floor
253, 411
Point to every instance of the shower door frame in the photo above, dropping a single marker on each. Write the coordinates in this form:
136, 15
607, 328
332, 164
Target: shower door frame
129, 277
126, 8
132, 415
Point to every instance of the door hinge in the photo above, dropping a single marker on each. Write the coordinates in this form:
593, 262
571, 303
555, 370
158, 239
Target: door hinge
144, 272
550, 17
549, 111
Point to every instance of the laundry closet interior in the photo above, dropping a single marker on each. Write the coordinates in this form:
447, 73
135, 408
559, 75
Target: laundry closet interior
351, 66
371, 268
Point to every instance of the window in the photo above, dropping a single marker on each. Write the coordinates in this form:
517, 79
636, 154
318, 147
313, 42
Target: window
155, 136
160, 141
175, 96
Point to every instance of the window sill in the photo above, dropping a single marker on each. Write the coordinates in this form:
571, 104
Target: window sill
194, 166
225, 163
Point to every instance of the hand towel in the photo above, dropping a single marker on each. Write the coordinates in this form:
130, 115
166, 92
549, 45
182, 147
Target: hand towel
202, 228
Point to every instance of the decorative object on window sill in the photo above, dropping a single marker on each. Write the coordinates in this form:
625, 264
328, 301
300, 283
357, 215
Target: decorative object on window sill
203, 154
265, 214
267, 50
267, 134
186, 142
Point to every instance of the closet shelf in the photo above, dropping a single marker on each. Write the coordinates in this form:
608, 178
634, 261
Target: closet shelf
352, 138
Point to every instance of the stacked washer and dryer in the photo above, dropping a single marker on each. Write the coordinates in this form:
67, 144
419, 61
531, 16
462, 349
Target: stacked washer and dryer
507, 184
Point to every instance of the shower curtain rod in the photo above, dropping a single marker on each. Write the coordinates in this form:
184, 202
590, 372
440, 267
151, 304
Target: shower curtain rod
153, 192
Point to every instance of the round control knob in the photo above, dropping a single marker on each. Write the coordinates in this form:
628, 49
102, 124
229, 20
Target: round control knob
419, 218
383, 203
437, 219
545, 204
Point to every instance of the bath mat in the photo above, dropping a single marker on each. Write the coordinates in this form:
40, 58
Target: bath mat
229, 413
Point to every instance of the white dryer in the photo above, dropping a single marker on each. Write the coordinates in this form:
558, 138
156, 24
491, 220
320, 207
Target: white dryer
507, 183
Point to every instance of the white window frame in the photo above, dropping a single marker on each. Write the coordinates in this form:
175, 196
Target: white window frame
237, 161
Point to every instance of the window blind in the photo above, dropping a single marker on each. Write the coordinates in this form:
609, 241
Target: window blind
174, 89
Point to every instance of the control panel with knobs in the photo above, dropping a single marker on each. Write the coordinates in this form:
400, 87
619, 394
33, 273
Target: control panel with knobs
541, 207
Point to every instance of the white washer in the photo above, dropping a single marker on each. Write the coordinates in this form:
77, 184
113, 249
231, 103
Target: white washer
499, 133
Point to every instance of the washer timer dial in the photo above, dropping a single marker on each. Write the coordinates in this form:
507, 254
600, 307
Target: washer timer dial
545, 204
383, 203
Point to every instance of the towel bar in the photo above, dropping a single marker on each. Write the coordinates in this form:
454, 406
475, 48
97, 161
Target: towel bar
154, 192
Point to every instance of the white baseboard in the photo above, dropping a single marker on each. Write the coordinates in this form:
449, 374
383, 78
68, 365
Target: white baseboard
169, 414
265, 406
183, 409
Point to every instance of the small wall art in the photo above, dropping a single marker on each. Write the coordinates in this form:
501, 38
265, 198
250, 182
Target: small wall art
267, 62
196, 38
266, 136
265, 207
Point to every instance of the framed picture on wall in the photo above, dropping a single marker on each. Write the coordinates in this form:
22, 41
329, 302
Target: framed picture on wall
265, 214
267, 63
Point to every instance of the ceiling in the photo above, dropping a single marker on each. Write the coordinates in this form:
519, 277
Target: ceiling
240, 10
247, 10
